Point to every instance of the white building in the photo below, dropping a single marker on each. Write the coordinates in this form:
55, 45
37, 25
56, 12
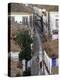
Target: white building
54, 25
20, 17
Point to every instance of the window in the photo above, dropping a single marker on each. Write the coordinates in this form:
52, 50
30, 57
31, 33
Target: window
55, 31
25, 20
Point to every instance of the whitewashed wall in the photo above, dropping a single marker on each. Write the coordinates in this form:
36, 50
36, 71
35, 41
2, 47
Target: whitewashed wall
23, 63
55, 36
53, 17
14, 56
19, 18
29, 63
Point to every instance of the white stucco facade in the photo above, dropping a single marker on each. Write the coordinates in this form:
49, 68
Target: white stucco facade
18, 16
14, 56
54, 19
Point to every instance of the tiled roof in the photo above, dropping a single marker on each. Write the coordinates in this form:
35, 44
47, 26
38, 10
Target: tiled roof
18, 7
47, 7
